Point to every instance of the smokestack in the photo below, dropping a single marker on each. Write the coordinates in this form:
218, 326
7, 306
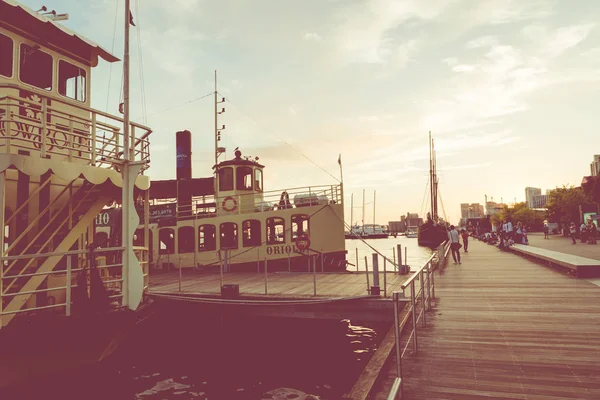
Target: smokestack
183, 144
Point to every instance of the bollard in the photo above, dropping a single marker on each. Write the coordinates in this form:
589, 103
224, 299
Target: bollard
394, 255
375, 290
266, 288
406, 257
356, 259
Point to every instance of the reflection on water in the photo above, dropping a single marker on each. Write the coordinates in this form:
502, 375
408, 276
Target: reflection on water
186, 355
416, 255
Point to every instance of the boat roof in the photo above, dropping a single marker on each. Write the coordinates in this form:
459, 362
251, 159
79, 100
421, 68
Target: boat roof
46, 30
238, 160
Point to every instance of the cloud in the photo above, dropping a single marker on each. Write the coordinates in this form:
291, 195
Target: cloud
483, 41
292, 111
565, 38
463, 68
312, 36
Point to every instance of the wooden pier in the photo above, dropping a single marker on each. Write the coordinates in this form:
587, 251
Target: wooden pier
504, 327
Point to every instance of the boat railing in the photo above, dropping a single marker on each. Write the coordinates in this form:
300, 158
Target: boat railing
60, 282
421, 298
294, 198
50, 126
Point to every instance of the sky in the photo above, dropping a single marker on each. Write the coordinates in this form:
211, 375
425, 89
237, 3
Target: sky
508, 89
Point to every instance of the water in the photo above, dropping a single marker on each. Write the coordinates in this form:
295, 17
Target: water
416, 255
178, 356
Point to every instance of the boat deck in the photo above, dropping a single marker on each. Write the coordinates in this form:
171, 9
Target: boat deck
278, 284
508, 328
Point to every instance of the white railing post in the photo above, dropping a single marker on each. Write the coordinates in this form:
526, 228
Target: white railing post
413, 302
93, 152
68, 287
44, 123
367, 274
396, 299
375, 287
423, 295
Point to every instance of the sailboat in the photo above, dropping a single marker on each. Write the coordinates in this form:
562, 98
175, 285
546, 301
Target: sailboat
432, 233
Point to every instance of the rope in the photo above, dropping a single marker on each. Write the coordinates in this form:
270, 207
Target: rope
281, 139
141, 63
424, 197
112, 50
181, 104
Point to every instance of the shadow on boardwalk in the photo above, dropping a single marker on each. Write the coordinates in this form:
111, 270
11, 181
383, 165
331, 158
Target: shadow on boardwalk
506, 328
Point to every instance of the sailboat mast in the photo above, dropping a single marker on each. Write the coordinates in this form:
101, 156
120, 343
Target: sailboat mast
216, 130
363, 212
431, 190
351, 210
374, 193
435, 182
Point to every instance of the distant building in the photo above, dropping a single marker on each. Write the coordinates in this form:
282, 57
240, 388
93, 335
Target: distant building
396, 226
529, 193
540, 201
413, 220
494, 208
595, 165
473, 210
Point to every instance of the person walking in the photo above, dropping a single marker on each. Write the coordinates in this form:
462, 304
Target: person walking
546, 231
573, 231
465, 238
583, 232
454, 244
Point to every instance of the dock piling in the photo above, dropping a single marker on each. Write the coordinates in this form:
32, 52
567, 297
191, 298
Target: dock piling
367, 275
384, 277
375, 290
406, 257
394, 255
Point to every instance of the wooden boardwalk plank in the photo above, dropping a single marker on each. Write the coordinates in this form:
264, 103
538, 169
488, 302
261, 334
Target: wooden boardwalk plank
507, 328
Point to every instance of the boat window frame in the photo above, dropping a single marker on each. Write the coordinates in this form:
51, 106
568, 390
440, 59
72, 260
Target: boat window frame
188, 242
255, 239
258, 179
224, 240
166, 251
12, 56
295, 230
222, 179
240, 178
85, 77
20, 69
204, 246
271, 225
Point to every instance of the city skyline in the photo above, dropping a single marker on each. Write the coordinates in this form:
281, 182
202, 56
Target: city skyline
367, 79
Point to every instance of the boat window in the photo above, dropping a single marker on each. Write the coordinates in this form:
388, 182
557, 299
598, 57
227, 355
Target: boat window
185, 239
258, 180
166, 241
71, 81
226, 179
299, 225
251, 233
244, 178
35, 67
207, 237
275, 230
6, 55
228, 235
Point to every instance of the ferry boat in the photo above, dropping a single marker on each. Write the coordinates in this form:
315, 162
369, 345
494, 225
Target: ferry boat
63, 301
230, 221
368, 231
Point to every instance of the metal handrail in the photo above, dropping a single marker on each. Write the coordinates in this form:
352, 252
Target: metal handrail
423, 297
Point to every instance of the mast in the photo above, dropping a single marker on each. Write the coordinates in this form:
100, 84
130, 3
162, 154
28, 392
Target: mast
351, 211
216, 130
431, 189
435, 182
363, 212
374, 192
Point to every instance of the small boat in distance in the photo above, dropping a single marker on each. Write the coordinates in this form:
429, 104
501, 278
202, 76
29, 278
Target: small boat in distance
411, 232
367, 231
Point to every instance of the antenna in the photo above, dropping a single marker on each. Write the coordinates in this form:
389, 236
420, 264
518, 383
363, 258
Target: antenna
218, 150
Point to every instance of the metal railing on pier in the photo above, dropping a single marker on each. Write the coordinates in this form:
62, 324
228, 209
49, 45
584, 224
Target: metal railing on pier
421, 297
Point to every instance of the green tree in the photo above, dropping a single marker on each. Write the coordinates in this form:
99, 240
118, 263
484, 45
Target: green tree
591, 187
564, 203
